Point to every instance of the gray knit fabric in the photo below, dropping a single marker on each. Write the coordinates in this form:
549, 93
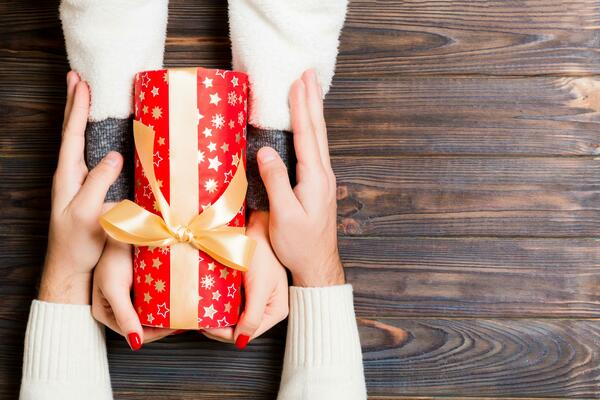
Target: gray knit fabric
104, 136
283, 143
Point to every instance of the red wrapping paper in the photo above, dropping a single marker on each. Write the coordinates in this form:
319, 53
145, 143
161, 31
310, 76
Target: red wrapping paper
222, 107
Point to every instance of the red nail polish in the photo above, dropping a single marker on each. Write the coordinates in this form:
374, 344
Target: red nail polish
242, 341
134, 341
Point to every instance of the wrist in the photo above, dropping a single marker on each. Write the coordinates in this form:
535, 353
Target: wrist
330, 274
65, 287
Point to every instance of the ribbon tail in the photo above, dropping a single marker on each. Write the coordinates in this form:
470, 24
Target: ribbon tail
229, 247
129, 223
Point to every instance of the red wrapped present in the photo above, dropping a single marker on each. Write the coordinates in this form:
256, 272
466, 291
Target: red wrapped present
188, 217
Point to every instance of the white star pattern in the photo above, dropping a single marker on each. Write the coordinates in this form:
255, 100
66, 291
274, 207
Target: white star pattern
150, 318
218, 121
209, 311
214, 163
210, 185
200, 156
241, 118
231, 291
234, 81
157, 159
212, 146
214, 99
207, 282
207, 132
211, 266
222, 322
232, 98
207, 82
162, 310
154, 91
231, 124
221, 73
145, 80
216, 295
235, 159
228, 176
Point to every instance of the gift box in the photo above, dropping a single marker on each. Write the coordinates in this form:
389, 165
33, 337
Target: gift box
189, 213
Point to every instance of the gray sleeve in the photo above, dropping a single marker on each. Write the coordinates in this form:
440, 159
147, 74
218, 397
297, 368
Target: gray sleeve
104, 136
282, 142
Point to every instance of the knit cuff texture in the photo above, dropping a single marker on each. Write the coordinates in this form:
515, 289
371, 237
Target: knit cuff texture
282, 142
116, 135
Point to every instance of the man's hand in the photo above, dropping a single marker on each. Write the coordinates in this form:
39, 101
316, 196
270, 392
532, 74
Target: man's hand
76, 240
302, 224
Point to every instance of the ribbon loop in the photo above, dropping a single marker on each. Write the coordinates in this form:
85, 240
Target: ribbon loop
208, 231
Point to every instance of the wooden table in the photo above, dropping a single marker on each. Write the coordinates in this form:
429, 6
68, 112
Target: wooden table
465, 138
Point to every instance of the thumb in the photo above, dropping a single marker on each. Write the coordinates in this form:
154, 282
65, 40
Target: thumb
275, 177
251, 319
126, 317
98, 181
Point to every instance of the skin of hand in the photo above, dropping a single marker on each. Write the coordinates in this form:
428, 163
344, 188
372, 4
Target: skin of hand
75, 239
302, 222
266, 288
111, 299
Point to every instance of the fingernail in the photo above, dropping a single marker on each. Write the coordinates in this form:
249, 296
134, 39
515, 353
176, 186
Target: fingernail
242, 341
112, 158
267, 155
134, 341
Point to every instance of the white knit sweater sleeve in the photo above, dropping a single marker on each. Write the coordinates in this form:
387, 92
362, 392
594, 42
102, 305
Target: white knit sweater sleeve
323, 358
65, 354
274, 41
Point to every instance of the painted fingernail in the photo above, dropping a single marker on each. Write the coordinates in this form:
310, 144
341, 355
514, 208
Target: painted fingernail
242, 341
134, 341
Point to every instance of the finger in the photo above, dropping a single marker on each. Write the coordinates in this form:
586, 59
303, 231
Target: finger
72, 80
224, 335
314, 99
73, 142
152, 334
98, 181
275, 178
305, 141
276, 311
117, 292
251, 317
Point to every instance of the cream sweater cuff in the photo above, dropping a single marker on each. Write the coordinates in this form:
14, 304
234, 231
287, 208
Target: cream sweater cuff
323, 358
65, 354
108, 42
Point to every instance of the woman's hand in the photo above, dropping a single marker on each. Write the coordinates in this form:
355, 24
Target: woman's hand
302, 224
265, 286
76, 240
111, 299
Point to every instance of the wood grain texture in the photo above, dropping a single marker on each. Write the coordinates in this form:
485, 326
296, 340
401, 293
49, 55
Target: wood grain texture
482, 37
407, 357
484, 277
466, 196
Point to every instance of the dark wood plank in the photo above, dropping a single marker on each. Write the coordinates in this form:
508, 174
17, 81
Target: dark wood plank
409, 116
464, 116
430, 37
468, 196
402, 196
403, 357
490, 37
446, 277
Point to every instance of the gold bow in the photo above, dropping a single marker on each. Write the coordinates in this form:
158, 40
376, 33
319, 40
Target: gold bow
208, 231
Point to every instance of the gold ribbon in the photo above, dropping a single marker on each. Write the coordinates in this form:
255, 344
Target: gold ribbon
208, 231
